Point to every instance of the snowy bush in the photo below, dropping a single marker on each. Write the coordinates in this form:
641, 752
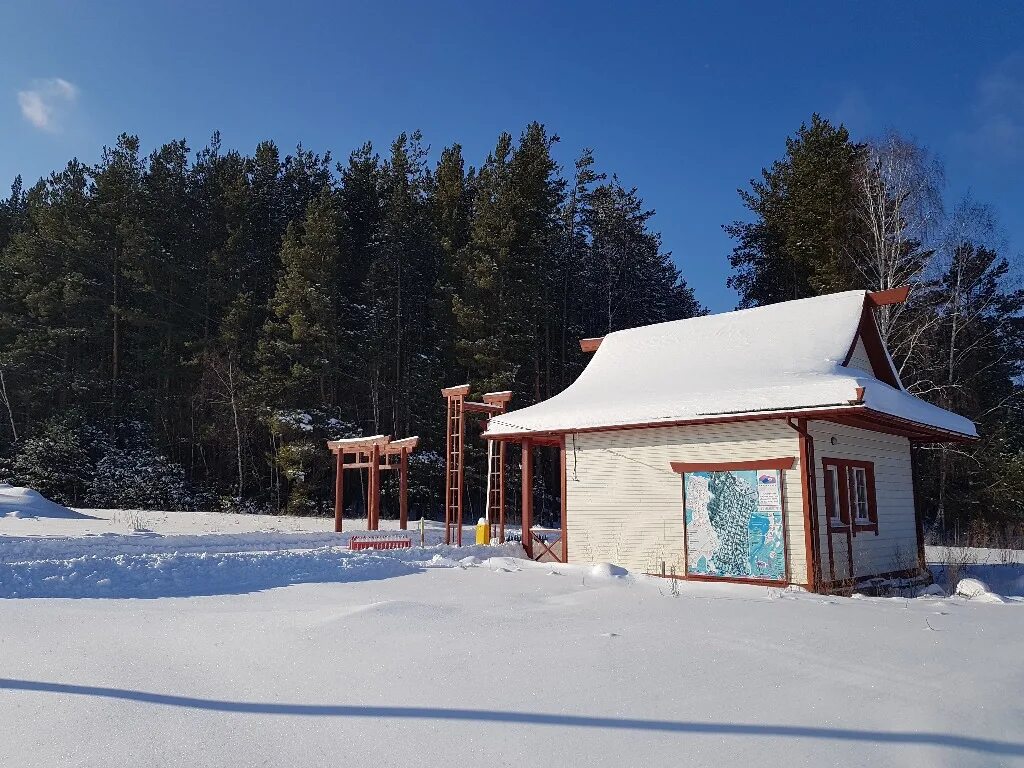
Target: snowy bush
301, 456
55, 461
131, 473
130, 479
112, 464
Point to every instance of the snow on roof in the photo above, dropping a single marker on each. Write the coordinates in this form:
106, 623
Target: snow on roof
781, 357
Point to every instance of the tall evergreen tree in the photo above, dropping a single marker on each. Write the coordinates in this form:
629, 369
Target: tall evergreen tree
631, 281
797, 245
228, 312
297, 352
122, 241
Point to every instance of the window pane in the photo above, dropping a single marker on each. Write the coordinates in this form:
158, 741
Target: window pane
851, 490
861, 482
832, 478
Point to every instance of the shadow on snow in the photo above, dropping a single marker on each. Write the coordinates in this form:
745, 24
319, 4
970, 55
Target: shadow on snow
950, 741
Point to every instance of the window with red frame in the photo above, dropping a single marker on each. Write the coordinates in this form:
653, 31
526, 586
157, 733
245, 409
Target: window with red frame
850, 494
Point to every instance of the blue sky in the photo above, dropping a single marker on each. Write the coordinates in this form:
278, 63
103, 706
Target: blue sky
686, 101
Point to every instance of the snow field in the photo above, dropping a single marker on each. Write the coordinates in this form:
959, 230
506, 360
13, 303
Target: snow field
472, 656
147, 564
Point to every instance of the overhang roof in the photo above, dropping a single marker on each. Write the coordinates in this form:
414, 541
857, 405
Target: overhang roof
783, 359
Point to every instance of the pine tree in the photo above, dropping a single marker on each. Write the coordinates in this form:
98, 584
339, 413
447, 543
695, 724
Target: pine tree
53, 310
632, 282
506, 319
804, 207
122, 242
452, 207
237, 310
297, 352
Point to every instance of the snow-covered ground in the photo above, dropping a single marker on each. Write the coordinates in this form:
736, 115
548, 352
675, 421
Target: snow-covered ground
260, 641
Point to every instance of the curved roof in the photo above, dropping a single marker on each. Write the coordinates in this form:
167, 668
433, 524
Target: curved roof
780, 358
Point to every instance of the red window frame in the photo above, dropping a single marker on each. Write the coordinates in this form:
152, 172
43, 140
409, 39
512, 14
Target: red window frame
847, 518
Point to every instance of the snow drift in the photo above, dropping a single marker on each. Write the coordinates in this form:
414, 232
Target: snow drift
178, 566
24, 502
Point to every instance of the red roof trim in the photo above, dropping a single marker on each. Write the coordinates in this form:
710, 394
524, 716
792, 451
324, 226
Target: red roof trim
880, 422
889, 296
783, 462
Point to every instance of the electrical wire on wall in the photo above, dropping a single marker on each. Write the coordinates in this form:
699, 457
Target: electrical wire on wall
575, 477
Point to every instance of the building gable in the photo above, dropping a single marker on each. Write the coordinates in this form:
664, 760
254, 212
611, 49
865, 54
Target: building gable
867, 351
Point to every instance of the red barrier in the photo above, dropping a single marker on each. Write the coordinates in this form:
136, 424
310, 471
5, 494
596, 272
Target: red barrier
357, 543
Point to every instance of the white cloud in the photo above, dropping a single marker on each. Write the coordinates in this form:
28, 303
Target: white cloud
47, 102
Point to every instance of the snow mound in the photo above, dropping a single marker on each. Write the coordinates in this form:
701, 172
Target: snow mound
29, 569
608, 571
977, 590
24, 502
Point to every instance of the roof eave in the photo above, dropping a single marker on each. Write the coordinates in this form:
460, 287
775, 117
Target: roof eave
864, 417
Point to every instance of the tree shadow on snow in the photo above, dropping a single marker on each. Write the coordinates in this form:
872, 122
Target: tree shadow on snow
946, 740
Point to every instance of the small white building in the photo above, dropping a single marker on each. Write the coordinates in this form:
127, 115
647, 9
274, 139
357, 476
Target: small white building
767, 445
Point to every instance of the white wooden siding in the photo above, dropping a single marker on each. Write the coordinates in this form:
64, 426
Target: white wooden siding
895, 546
859, 358
624, 502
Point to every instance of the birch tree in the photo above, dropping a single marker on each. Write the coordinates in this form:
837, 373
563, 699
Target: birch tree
898, 205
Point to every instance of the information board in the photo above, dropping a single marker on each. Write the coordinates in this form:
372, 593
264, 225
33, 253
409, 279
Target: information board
734, 524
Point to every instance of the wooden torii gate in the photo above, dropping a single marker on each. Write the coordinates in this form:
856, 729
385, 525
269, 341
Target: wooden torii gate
494, 403
374, 454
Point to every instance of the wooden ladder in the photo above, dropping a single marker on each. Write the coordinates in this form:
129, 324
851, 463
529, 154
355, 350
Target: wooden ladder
496, 500
455, 472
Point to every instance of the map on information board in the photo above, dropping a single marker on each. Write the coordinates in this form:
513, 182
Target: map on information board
734, 524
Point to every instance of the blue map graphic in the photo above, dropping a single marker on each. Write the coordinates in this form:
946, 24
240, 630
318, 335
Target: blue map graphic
732, 530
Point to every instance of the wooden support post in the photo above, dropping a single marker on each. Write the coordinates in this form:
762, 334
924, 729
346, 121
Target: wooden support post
527, 474
448, 473
501, 491
462, 469
373, 507
403, 490
565, 501
339, 492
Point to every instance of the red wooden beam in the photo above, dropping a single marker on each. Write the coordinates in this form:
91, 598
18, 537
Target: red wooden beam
373, 507
591, 345
565, 502
889, 296
527, 476
488, 408
783, 462
460, 391
339, 493
497, 398
403, 491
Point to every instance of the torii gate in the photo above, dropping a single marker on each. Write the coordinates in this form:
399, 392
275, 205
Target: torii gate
368, 452
494, 403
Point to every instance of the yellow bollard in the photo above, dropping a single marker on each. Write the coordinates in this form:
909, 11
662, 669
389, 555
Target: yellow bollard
483, 531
